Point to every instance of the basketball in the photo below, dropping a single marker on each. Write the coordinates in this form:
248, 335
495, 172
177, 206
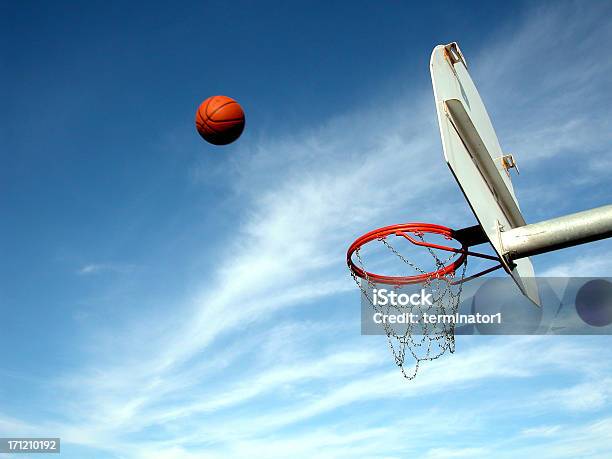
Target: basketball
220, 120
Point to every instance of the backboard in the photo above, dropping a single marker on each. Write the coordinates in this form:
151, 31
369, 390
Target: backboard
473, 154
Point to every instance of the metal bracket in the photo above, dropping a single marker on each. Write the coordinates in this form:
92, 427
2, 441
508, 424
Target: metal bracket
471, 236
453, 54
508, 162
505, 256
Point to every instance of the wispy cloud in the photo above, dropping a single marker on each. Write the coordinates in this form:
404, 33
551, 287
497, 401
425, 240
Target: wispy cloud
587, 396
591, 264
98, 268
266, 358
545, 82
441, 453
541, 431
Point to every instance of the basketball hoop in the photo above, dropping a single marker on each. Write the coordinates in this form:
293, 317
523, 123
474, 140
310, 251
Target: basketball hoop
445, 282
472, 151
419, 230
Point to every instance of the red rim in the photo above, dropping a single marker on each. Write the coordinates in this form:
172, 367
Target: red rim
405, 229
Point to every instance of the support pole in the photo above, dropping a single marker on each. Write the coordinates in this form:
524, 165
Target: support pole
557, 233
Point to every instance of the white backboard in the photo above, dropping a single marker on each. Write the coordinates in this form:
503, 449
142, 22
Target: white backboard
473, 153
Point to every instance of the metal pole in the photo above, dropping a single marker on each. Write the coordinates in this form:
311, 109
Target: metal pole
557, 233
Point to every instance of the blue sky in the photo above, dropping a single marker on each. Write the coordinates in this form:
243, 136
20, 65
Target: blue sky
164, 298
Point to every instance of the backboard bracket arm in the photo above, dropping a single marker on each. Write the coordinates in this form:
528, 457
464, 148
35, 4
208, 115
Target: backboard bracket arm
557, 233
472, 235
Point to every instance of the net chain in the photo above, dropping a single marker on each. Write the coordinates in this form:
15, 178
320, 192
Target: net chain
422, 341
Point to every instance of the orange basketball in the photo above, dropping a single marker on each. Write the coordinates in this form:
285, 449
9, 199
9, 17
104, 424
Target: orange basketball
220, 120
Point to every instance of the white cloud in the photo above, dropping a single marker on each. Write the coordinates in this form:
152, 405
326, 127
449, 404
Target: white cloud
442, 453
97, 268
16, 427
588, 396
545, 83
582, 439
229, 374
541, 431
592, 264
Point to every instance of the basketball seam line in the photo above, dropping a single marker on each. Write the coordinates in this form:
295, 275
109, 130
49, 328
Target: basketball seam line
203, 123
199, 115
218, 108
233, 120
206, 122
211, 128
